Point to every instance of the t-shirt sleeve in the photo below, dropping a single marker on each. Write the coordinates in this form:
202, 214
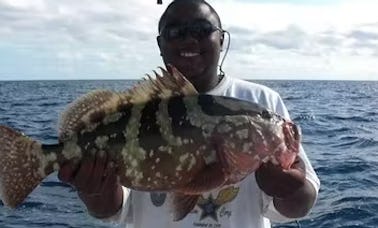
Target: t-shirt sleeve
269, 210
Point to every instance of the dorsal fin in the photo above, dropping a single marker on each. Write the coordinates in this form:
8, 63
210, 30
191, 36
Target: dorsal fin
170, 83
91, 108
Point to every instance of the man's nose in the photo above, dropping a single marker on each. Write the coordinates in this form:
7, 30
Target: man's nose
189, 38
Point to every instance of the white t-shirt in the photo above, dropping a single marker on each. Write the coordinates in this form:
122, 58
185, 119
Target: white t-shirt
242, 205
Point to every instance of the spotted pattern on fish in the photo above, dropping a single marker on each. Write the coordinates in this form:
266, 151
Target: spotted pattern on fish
161, 136
197, 117
132, 154
106, 133
25, 170
71, 149
112, 118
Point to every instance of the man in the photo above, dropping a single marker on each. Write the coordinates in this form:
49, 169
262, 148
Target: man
191, 39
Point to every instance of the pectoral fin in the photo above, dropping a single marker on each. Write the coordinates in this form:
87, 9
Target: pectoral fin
209, 178
182, 205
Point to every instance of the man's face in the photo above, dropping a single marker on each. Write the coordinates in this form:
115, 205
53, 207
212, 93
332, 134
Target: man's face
190, 41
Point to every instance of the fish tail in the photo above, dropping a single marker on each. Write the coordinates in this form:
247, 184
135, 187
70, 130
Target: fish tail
20, 170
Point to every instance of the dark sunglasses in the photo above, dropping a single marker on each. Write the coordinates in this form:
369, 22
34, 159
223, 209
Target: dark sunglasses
198, 30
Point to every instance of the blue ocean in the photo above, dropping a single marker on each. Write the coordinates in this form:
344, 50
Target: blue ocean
339, 122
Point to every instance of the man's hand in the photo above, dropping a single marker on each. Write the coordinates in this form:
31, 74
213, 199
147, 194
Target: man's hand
96, 182
293, 195
280, 183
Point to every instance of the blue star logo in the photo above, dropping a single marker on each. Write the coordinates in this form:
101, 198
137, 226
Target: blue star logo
209, 208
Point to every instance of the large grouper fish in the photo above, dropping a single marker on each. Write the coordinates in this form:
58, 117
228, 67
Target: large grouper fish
162, 135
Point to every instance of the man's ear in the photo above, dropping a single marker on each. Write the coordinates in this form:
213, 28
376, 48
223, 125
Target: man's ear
158, 39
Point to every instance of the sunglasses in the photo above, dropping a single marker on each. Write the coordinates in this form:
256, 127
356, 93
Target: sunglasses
198, 30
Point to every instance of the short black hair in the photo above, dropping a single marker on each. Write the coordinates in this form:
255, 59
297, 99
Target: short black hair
164, 15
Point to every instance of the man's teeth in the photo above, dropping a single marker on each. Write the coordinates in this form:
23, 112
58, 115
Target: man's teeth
189, 54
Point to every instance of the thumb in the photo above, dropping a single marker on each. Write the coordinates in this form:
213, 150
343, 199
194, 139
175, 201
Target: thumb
67, 172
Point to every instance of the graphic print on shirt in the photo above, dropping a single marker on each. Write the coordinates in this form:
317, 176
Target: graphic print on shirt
158, 198
207, 206
213, 207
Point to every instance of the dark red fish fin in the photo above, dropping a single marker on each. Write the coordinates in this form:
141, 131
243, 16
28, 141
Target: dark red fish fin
237, 165
182, 204
209, 178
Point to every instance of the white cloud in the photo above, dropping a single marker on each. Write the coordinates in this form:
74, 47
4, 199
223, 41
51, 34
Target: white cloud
116, 38
291, 38
328, 41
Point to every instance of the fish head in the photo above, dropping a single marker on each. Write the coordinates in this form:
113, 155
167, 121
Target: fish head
261, 136
289, 149
267, 137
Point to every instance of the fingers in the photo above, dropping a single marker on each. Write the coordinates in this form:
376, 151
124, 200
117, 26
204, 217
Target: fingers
275, 181
96, 180
91, 176
298, 164
109, 178
82, 180
67, 172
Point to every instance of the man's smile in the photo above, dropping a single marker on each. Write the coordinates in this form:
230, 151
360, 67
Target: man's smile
189, 54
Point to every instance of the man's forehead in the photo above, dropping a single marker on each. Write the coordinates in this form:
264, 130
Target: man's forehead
187, 12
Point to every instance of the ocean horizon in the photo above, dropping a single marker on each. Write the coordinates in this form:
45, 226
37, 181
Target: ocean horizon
340, 136
138, 79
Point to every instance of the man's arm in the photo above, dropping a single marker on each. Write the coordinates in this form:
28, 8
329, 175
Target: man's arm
97, 184
294, 191
293, 195
299, 203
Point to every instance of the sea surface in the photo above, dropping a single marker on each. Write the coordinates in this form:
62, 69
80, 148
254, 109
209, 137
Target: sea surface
339, 122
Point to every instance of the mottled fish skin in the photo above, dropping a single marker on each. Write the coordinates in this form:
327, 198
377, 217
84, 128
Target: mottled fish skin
85, 127
161, 135
164, 144
161, 142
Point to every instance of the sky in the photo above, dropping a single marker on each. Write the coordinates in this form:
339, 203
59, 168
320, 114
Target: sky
116, 39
